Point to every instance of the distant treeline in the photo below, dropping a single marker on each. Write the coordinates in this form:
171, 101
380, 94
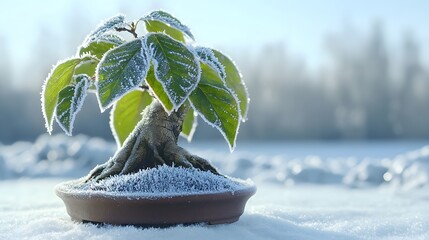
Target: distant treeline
365, 90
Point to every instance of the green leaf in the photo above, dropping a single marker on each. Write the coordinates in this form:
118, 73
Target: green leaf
157, 26
168, 22
122, 69
175, 67
234, 82
98, 48
60, 76
158, 90
189, 125
70, 100
87, 67
216, 104
126, 113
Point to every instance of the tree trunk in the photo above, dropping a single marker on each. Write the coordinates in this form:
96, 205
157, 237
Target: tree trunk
153, 142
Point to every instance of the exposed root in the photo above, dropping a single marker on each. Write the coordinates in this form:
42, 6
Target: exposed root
181, 157
173, 157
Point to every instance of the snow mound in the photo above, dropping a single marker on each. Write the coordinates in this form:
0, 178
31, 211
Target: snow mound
164, 181
367, 173
410, 170
407, 171
74, 157
53, 156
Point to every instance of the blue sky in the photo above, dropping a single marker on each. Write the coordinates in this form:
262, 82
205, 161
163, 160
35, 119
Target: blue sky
239, 24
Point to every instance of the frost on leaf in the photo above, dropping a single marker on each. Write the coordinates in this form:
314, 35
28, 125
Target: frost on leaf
70, 100
112, 39
126, 113
121, 70
175, 67
59, 77
189, 125
104, 27
214, 102
207, 56
99, 47
160, 21
234, 82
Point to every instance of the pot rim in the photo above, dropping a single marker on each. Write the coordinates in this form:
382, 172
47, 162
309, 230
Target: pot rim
246, 190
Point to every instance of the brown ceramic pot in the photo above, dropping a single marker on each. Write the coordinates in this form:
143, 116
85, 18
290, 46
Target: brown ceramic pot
213, 208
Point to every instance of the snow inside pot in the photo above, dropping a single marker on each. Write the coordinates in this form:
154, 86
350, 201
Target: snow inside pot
157, 84
158, 196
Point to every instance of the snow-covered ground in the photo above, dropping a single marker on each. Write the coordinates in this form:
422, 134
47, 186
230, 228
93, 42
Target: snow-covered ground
305, 190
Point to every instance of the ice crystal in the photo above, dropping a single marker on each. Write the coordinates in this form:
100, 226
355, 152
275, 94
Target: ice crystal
112, 38
161, 182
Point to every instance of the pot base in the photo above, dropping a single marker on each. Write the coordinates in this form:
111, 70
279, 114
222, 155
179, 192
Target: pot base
212, 208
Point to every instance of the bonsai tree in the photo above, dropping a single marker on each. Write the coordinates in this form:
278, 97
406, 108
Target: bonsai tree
156, 85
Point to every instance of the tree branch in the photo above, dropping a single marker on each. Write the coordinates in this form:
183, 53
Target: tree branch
132, 31
144, 87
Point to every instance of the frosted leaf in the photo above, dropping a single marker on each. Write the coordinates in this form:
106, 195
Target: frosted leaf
157, 26
214, 102
104, 27
100, 46
175, 67
126, 113
207, 56
233, 80
70, 101
169, 20
120, 70
189, 125
59, 77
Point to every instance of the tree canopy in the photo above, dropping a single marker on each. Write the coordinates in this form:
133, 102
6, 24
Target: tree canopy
164, 64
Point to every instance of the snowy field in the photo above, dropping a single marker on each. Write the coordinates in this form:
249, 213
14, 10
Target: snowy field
331, 190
